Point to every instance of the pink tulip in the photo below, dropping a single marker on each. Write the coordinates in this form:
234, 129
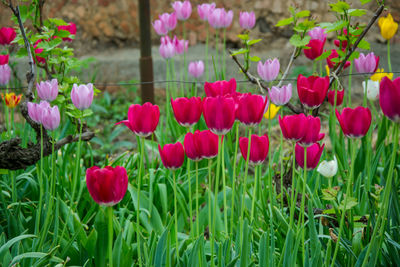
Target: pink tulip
169, 20
192, 146
142, 119
280, 96
312, 90
318, 33
196, 68
269, 70
7, 35
159, 27
35, 111
167, 47
5, 74
187, 111
355, 123
315, 48
82, 95
259, 148
366, 63
182, 9
247, 20
219, 18
228, 19
181, 46
339, 97
314, 153
312, 134
389, 95
47, 90
71, 28
172, 155
293, 127
220, 88
107, 186
50, 118
204, 10
38, 55
4, 59
208, 144
331, 64
250, 109
219, 114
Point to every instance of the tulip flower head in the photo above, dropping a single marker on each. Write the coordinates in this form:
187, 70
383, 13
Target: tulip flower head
172, 155
259, 148
219, 114
332, 64
389, 95
50, 118
388, 26
220, 88
219, 18
159, 27
312, 134
5, 74
339, 97
316, 44
192, 146
182, 9
312, 90
269, 70
379, 74
372, 88
250, 109
187, 111
47, 90
4, 59
107, 186
366, 63
7, 35
328, 169
82, 95
280, 95
167, 47
318, 33
313, 155
142, 119
208, 144
181, 46
168, 20
35, 111
293, 127
355, 123
204, 10
271, 111
11, 99
71, 28
247, 20
196, 68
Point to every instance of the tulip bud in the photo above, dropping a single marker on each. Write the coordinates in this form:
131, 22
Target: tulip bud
269, 70
220, 88
312, 134
47, 90
82, 96
50, 118
167, 48
169, 20
312, 90
280, 96
271, 111
219, 114
7, 35
208, 144
4, 59
181, 46
313, 155
250, 109
172, 155
107, 186
339, 97
204, 10
259, 148
355, 123
293, 127
247, 20
389, 95
372, 89
5, 74
331, 64
318, 33
366, 63
328, 169
388, 26
159, 27
187, 111
196, 68
182, 9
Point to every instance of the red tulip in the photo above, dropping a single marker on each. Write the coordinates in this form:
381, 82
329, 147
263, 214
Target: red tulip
389, 95
172, 155
312, 90
331, 64
192, 146
316, 48
293, 127
258, 148
312, 134
220, 88
339, 97
142, 119
219, 113
354, 122
107, 186
201, 144
313, 155
250, 108
187, 111
4, 59
7, 35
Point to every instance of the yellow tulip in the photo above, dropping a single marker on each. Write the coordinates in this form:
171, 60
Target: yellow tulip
327, 70
11, 99
271, 112
388, 26
379, 74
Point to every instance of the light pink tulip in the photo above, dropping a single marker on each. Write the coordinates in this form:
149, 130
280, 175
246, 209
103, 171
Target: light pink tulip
181, 46
5, 74
269, 70
219, 18
35, 110
47, 90
82, 95
204, 10
167, 47
247, 20
159, 27
280, 96
366, 63
169, 20
196, 68
50, 118
182, 9
317, 33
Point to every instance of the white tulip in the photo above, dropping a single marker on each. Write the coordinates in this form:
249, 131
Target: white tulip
372, 89
328, 168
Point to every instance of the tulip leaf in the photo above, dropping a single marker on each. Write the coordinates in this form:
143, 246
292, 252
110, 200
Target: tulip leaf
329, 194
58, 22
251, 42
340, 7
364, 45
336, 26
351, 202
255, 59
357, 12
324, 55
297, 41
303, 13
284, 22
22, 52
240, 51
243, 37
363, 2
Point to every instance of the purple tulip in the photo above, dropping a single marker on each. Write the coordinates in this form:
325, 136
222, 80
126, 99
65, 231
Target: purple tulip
159, 27
182, 9
269, 70
47, 90
82, 95
169, 20
50, 118
317, 33
280, 96
167, 48
5, 74
247, 20
366, 63
196, 68
204, 10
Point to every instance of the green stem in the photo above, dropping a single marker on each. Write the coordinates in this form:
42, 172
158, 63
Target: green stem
281, 159
388, 56
39, 214
209, 212
217, 184
176, 218
77, 164
110, 235
197, 199
224, 54
184, 58
138, 200
293, 200
216, 53
12, 123
234, 177
190, 196
271, 190
224, 185
206, 59
349, 87
254, 195
365, 92
303, 198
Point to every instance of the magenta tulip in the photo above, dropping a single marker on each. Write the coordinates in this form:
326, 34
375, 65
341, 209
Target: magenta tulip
312, 90
389, 95
339, 97
169, 20
142, 119
181, 46
219, 18
208, 144
331, 64
293, 127
318, 33
159, 27
366, 63
280, 96
219, 114
5, 74
7, 35
313, 155
187, 111
71, 28
355, 123
47, 90
182, 9
204, 10
269, 70
4, 59
315, 48
50, 118
312, 133
196, 68
167, 47
250, 108
107, 186
172, 155
247, 20
220, 88
82, 95
258, 148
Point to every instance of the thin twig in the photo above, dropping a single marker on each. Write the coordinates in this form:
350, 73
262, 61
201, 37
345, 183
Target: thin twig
288, 67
